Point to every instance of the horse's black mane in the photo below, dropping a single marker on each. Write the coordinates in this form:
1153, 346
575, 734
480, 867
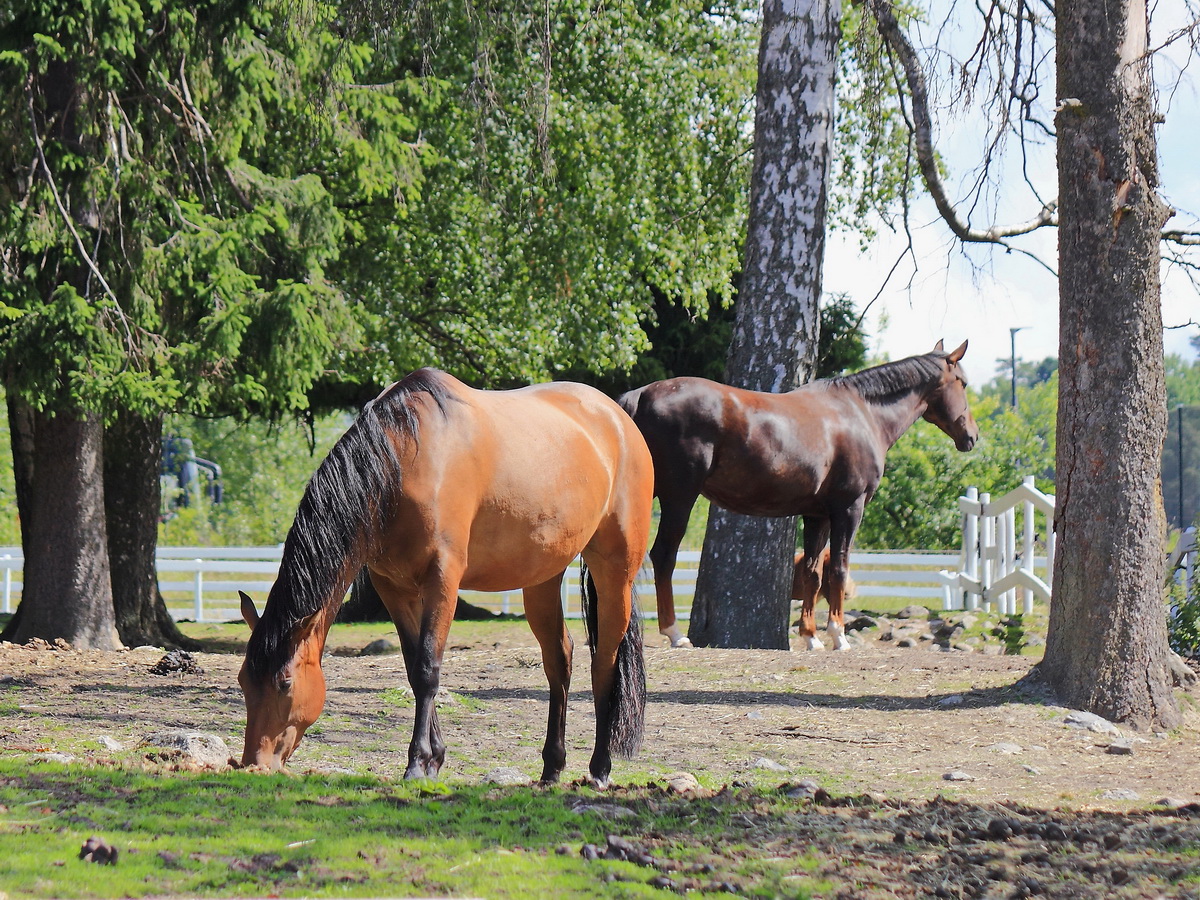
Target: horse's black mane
346, 506
885, 383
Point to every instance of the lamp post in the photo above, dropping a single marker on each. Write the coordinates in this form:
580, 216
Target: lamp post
1179, 437
1012, 337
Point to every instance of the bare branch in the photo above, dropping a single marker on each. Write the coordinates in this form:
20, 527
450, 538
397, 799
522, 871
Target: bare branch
1183, 238
922, 127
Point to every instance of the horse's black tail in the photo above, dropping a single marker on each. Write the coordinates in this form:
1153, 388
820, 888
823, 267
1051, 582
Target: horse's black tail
627, 701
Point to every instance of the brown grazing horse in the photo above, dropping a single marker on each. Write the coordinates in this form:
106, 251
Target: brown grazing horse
438, 487
816, 452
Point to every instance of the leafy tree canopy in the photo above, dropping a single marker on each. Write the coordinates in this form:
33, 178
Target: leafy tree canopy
175, 199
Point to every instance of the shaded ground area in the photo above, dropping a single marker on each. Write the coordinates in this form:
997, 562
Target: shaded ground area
915, 772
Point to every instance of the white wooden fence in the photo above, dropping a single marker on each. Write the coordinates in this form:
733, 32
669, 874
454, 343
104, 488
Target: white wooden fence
999, 561
201, 583
1181, 563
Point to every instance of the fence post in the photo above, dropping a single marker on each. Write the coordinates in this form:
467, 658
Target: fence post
199, 595
987, 550
971, 550
1030, 512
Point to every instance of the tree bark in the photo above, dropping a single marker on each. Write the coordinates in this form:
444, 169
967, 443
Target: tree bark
744, 583
20, 428
1106, 649
67, 592
132, 457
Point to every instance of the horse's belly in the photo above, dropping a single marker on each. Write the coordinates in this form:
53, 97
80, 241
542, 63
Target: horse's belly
508, 552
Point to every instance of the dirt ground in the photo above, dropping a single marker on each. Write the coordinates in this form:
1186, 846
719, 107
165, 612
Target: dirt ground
921, 729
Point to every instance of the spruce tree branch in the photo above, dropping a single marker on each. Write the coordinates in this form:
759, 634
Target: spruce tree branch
922, 127
68, 221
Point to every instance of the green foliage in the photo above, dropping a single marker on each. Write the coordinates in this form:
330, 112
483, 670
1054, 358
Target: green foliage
582, 166
265, 470
1183, 619
1183, 626
874, 165
170, 244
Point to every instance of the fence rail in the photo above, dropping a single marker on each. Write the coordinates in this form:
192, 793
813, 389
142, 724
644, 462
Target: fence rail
201, 583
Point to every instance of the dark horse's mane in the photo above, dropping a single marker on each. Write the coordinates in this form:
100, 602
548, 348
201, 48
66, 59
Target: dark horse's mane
344, 510
886, 383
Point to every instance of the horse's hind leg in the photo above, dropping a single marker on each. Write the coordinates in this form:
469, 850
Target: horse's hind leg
672, 523
543, 611
843, 528
618, 673
806, 581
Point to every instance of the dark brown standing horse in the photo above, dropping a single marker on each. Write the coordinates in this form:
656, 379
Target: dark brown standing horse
438, 487
817, 452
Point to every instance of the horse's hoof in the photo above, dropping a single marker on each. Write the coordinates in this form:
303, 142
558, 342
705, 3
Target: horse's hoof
681, 641
813, 643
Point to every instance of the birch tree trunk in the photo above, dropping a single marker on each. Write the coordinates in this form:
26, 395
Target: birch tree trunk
744, 584
1106, 650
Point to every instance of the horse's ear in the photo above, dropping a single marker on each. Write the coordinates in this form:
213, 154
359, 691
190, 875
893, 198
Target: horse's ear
249, 613
956, 355
938, 347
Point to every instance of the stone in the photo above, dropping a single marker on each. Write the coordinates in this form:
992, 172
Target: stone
109, 743
913, 612
952, 700
804, 790
1090, 722
201, 748
768, 764
682, 783
957, 775
1170, 803
1120, 747
506, 776
378, 648
1005, 748
609, 811
63, 758
1120, 794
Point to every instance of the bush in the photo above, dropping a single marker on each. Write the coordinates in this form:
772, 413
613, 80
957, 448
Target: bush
1183, 619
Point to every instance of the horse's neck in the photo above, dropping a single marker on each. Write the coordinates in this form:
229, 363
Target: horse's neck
896, 418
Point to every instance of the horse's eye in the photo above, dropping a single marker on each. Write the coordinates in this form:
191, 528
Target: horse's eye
284, 684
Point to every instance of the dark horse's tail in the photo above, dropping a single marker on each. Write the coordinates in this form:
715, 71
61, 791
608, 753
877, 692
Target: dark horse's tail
627, 702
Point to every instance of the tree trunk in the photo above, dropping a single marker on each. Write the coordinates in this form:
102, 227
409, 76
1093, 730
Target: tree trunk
67, 593
1106, 650
364, 604
132, 455
20, 428
745, 578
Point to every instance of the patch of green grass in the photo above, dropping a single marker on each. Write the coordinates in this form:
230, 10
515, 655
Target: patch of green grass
396, 698
242, 834
9, 706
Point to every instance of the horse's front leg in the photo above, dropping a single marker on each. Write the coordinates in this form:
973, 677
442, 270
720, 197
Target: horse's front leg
543, 611
806, 581
422, 621
843, 527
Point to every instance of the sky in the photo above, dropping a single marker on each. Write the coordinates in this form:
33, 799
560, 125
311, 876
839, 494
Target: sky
978, 294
